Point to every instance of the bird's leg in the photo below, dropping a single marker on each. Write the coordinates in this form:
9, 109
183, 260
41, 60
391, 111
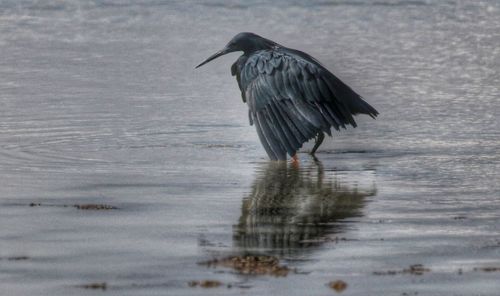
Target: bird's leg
295, 159
319, 140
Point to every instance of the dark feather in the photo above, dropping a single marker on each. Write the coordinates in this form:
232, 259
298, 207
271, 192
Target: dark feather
264, 141
287, 129
280, 131
292, 98
270, 136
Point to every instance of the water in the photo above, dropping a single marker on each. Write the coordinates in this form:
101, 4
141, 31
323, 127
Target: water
100, 104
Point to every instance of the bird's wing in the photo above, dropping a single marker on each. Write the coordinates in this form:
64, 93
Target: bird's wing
291, 98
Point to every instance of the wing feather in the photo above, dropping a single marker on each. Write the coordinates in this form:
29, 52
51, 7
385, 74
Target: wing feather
286, 127
264, 140
297, 127
273, 141
280, 130
292, 98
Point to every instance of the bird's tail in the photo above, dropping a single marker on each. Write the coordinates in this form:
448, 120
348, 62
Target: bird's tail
351, 99
359, 106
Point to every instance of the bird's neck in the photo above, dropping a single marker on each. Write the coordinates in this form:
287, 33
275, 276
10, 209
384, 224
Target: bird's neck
261, 44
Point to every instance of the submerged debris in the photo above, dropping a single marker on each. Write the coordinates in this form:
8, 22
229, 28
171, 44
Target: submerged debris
416, 269
94, 286
15, 258
255, 265
78, 206
338, 286
206, 284
95, 207
487, 269
18, 258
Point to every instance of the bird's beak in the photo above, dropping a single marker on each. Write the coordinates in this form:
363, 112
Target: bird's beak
215, 55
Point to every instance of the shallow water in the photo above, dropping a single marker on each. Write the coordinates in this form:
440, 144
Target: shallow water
100, 105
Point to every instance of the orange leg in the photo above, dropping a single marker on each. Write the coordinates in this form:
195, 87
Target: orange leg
295, 159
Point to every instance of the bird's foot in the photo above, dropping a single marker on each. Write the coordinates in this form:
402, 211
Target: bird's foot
295, 160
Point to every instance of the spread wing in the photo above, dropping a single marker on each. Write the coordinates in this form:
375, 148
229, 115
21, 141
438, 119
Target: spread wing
291, 98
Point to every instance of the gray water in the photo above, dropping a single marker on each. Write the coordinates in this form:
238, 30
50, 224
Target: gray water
100, 104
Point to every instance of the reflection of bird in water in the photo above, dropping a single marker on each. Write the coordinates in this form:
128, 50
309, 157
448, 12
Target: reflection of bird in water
291, 209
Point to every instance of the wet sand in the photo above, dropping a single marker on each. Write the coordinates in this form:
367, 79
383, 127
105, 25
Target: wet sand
123, 171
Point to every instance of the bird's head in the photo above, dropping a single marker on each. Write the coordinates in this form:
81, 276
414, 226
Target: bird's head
246, 42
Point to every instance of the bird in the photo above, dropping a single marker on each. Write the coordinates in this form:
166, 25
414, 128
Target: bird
291, 97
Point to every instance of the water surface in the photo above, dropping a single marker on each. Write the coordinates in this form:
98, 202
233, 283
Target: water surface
100, 104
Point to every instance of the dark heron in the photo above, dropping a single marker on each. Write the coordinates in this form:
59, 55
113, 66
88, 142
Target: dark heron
291, 97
